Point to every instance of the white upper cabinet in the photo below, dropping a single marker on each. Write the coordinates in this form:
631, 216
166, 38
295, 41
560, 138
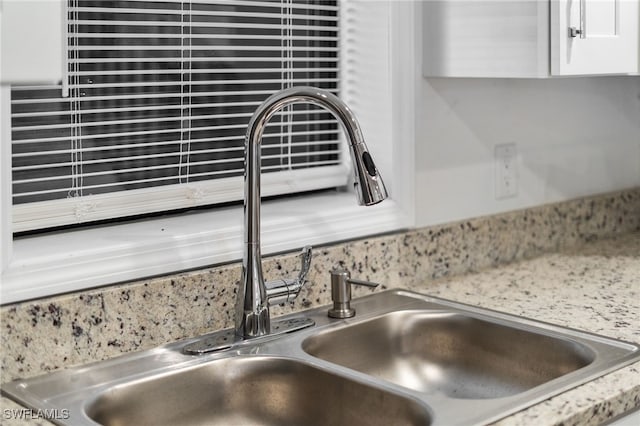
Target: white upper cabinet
594, 37
529, 38
32, 41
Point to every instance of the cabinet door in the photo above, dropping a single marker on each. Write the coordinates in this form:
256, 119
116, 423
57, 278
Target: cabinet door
32, 40
594, 37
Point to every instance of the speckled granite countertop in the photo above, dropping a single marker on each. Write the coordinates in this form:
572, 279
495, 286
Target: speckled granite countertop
593, 286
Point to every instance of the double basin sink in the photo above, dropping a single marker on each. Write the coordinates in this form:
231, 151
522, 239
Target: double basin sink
404, 359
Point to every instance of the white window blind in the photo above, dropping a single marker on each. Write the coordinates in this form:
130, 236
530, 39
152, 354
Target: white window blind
159, 97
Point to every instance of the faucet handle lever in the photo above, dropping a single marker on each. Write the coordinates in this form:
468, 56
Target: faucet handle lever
286, 289
305, 263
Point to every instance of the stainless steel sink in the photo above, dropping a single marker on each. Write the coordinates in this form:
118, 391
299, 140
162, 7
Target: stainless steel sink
252, 391
405, 358
458, 355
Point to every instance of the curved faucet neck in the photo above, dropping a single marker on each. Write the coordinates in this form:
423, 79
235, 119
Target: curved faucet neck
252, 311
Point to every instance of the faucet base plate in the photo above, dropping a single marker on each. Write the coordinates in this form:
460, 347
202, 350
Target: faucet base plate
226, 339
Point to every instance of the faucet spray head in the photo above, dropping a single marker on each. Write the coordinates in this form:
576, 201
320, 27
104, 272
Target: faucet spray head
368, 183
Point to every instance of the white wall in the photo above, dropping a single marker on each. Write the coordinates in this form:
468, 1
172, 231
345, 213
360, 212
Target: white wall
575, 137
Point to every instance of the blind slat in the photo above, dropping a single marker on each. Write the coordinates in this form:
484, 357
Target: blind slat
227, 59
328, 6
138, 96
178, 48
168, 119
207, 71
174, 142
197, 13
261, 37
178, 25
163, 131
150, 108
246, 3
202, 83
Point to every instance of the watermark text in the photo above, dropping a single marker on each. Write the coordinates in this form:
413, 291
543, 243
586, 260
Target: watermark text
30, 414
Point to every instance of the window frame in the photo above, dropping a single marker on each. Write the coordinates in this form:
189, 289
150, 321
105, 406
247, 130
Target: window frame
44, 265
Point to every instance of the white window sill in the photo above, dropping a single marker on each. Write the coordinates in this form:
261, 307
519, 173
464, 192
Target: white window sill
70, 261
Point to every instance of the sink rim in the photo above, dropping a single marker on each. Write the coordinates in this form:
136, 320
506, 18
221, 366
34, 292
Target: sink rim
29, 392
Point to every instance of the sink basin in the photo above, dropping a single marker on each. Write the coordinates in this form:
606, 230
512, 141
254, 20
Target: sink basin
460, 356
404, 359
252, 391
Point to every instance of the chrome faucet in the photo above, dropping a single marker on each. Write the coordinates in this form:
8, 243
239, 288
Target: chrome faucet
254, 295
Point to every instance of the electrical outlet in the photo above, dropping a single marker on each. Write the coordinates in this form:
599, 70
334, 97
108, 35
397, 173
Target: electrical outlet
506, 165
